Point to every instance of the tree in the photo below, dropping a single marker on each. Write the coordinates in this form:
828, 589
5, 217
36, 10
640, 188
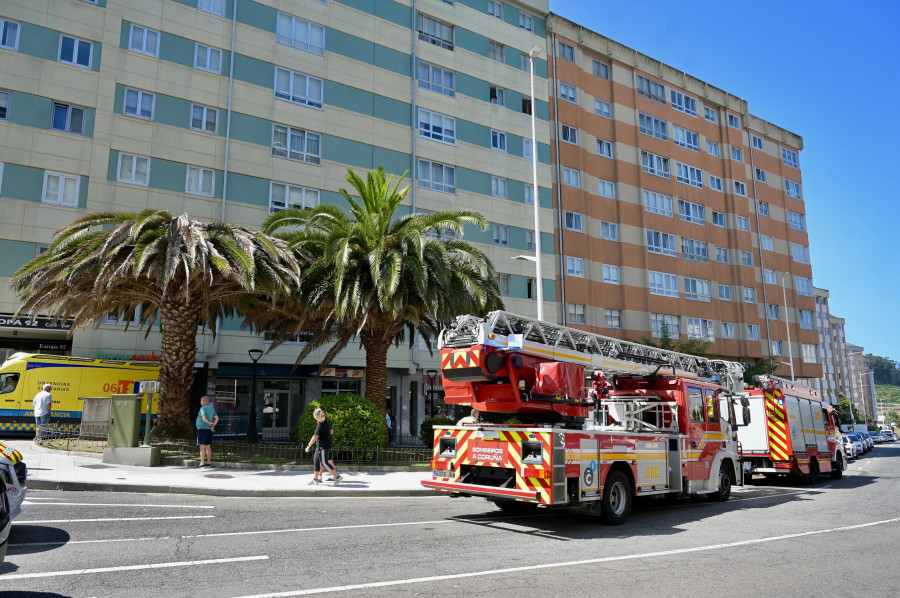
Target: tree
764, 366
378, 276
892, 417
886, 371
847, 411
186, 272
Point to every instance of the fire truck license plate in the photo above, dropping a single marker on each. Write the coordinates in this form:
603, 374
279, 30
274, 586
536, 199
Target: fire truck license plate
440, 473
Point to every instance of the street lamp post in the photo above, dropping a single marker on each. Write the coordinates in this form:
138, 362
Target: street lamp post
432, 374
787, 325
252, 437
538, 281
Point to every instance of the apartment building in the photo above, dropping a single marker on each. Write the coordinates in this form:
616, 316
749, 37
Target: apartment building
837, 377
677, 207
862, 381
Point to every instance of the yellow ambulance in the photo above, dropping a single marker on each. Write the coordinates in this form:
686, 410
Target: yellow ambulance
24, 375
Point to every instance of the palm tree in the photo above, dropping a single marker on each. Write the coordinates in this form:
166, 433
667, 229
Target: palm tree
378, 276
186, 272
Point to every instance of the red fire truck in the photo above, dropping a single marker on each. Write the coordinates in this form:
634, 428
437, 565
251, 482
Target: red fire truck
653, 422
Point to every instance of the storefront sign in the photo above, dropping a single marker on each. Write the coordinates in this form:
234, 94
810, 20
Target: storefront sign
38, 323
342, 373
152, 356
38, 345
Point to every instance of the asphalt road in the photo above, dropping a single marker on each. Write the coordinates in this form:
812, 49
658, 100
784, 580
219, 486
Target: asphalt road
837, 537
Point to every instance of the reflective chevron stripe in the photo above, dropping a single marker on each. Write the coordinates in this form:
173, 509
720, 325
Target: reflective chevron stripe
776, 415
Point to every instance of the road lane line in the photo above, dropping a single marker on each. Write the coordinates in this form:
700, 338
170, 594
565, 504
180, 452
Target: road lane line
101, 504
132, 567
119, 519
610, 559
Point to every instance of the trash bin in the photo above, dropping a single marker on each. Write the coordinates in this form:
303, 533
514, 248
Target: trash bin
124, 421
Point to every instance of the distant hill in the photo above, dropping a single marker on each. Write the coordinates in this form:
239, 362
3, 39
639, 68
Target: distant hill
887, 393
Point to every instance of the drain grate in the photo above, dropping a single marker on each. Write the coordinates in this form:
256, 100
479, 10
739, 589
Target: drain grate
219, 476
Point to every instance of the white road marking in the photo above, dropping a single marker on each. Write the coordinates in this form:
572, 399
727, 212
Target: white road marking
610, 559
121, 519
132, 567
101, 504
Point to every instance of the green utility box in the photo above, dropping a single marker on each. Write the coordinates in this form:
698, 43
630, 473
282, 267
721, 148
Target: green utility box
124, 421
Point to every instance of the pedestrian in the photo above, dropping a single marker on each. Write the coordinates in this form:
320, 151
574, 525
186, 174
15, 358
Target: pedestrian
470, 419
206, 425
42, 403
387, 420
322, 456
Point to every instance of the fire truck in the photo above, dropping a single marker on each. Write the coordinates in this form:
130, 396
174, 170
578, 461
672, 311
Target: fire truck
791, 432
652, 423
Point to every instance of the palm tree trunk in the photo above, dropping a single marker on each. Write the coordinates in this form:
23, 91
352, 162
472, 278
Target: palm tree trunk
179, 320
376, 369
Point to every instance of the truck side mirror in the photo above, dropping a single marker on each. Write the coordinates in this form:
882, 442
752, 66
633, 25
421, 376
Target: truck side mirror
745, 413
745, 402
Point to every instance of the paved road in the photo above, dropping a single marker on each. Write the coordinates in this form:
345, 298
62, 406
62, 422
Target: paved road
838, 537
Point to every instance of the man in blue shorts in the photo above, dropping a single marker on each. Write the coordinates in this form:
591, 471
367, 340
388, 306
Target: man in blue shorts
206, 424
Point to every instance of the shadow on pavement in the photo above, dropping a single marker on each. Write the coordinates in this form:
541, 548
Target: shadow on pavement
31, 539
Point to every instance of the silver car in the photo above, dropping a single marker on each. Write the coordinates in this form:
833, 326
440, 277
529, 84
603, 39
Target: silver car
852, 446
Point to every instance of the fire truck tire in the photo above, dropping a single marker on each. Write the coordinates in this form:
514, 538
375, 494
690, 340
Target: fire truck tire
515, 506
615, 507
837, 467
723, 489
813, 476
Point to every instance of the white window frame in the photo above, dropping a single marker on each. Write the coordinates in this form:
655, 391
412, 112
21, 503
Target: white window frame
653, 126
204, 174
606, 189
77, 41
683, 103
499, 187
113, 319
497, 95
763, 208
576, 313
437, 79
654, 164
498, 140
568, 92
734, 121
571, 177
205, 111
447, 184
309, 197
737, 154
746, 258
569, 134
685, 138
689, 175
749, 294
740, 189
132, 178
711, 114
527, 148
575, 266
6, 104
662, 243
697, 326
689, 211
752, 332
803, 286
436, 32
287, 29
757, 141
208, 58
724, 292
727, 330
502, 281
288, 151
722, 255
604, 148
574, 221
718, 219
297, 79
500, 234
526, 21
495, 9
70, 111
611, 274
662, 284
790, 158
60, 199
797, 221
602, 108
658, 203
672, 322
496, 50
139, 103
800, 253
216, 7
768, 243
614, 318
528, 194
566, 51
773, 312
743, 223
144, 38
775, 348
712, 148
5, 26
715, 183
697, 289
609, 231
600, 69
436, 126
649, 88
809, 353
769, 276
529, 244
695, 250
792, 189
806, 319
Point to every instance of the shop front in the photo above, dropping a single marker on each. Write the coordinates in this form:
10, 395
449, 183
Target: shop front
38, 335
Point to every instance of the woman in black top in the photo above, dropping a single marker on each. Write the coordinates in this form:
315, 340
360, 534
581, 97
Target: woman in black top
322, 456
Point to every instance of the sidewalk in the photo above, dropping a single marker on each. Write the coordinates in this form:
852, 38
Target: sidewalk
60, 470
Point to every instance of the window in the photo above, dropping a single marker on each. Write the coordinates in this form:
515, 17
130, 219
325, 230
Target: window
138, 103
657, 203
495, 9
602, 108
526, 21
68, 118
737, 154
144, 40
725, 292
296, 144
712, 148
768, 243
760, 175
216, 7
569, 134
204, 118
526, 105
752, 332
792, 189
606, 189
660, 321
691, 212
200, 181
770, 277
797, 221
437, 79
208, 59
663, 284
298, 88
722, 255
115, 318
740, 188
743, 223
498, 140
610, 274
574, 221
763, 208
746, 258
773, 312
566, 51
568, 92
749, 295
710, 114
663, 243
433, 125
527, 149
435, 32
604, 148
134, 169
689, 175
75, 51
692, 249
650, 89
575, 266
727, 330
790, 158
654, 164
800, 253
655, 127
439, 177
806, 319
503, 284
718, 219
757, 141
576, 313
529, 194
9, 34
60, 189
336, 386
497, 95
683, 103
571, 177
499, 187
803, 286
526, 62
701, 328
685, 138
301, 34
613, 318
4, 105
495, 51
600, 69
529, 245
809, 353
775, 348
734, 121
283, 196
609, 231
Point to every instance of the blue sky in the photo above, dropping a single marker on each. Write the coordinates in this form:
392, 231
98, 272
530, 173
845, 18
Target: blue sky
827, 71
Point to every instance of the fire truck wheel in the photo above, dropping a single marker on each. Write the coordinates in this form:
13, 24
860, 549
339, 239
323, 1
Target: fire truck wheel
813, 476
723, 490
837, 467
616, 503
515, 506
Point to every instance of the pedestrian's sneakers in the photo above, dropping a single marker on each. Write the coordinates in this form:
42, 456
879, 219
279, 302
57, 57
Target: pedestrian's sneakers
338, 479
314, 482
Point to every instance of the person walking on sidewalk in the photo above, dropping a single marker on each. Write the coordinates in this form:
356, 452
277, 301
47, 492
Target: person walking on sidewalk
387, 421
322, 456
42, 402
206, 425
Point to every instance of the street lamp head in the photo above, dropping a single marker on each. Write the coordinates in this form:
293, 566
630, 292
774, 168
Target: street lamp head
255, 354
536, 51
529, 258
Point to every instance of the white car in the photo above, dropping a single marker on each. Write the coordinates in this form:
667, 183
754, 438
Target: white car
15, 474
851, 447
858, 442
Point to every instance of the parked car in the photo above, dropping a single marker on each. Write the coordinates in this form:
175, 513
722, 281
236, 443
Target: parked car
863, 445
850, 447
858, 448
867, 440
14, 474
5, 520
